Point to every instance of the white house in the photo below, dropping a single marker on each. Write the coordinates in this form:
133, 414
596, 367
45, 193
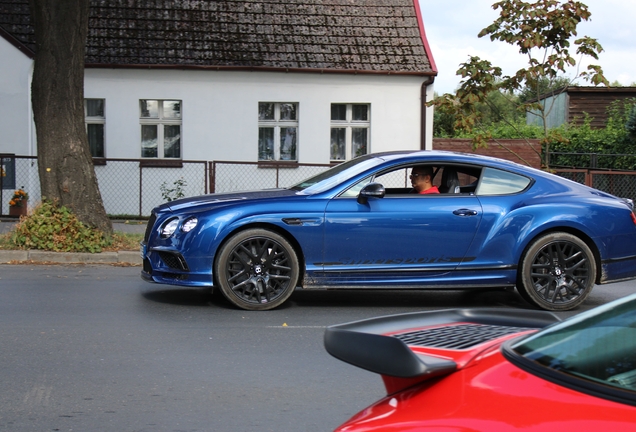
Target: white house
276, 81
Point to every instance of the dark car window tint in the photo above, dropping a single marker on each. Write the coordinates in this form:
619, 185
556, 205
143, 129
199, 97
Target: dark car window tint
497, 182
601, 348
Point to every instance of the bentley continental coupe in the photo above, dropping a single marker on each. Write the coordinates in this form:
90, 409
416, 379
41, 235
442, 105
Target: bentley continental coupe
490, 223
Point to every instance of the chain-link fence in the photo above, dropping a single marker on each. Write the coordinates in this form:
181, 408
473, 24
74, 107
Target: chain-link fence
594, 161
129, 187
18, 172
226, 176
132, 188
579, 176
618, 183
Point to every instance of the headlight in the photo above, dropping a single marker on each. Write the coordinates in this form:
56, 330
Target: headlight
169, 228
189, 224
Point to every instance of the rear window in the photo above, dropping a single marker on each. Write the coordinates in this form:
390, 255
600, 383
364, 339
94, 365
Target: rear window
498, 182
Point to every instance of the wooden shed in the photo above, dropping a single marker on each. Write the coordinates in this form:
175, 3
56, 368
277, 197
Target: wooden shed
573, 103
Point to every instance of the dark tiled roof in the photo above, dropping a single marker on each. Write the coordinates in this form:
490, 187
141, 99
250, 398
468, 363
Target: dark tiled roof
381, 36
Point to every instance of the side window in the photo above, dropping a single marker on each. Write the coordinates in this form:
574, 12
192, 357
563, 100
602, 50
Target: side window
448, 179
354, 191
350, 131
498, 182
277, 131
160, 128
396, 182
95, 119
398, 178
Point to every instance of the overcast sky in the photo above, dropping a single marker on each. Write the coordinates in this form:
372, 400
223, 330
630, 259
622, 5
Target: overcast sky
452, 26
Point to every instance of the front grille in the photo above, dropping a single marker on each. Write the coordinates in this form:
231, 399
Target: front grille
151, 222
457, 337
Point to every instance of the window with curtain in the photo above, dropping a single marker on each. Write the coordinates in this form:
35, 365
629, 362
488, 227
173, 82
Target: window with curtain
278, 131
350, 130
160, 122
95, 119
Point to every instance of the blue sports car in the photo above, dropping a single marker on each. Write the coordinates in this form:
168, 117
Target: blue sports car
399, 220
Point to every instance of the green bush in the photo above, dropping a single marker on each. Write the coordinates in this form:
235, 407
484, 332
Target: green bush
506, 130
616, 138
630, 123
55, 228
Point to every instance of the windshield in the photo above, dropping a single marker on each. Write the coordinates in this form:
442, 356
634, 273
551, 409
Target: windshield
599, 345
336, 175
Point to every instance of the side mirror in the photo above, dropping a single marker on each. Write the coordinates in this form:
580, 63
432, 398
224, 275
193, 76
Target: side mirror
372, 190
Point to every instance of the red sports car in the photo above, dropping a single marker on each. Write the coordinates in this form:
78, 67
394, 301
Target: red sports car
496, 369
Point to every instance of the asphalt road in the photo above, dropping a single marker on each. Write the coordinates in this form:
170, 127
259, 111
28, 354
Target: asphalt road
94, 348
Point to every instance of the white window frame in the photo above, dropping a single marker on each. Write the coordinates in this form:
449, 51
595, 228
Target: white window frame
160, 121
100, 120
349, 125
277, 124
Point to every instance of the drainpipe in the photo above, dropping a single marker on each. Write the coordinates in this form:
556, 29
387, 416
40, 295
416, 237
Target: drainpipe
429, 81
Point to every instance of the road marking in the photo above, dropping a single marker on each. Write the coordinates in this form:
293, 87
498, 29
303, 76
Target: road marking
38, 396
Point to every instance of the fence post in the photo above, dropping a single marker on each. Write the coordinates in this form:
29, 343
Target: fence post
277, 173
141, 171
2, 174
205, 177
212, 176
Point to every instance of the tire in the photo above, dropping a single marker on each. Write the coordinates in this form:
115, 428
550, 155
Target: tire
558, 272
257, 269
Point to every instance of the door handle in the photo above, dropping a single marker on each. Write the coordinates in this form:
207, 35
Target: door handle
465, 212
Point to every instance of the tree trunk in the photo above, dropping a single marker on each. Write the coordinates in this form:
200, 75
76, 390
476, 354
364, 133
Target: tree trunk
65, 165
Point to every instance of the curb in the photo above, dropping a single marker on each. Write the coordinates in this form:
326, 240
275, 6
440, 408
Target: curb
121, 257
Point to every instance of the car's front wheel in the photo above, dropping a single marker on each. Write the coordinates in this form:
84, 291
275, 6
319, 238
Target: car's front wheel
257, 269
558, 272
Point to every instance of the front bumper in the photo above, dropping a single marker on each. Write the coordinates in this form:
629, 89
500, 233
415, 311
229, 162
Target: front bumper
170, 267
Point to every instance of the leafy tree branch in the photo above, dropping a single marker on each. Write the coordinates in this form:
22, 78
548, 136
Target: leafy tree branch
542, 30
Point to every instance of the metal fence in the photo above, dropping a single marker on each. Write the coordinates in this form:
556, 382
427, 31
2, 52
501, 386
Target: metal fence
227, 176
595, 161
129, 187
619, 183
132, 188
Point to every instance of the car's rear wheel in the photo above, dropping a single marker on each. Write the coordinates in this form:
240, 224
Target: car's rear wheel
558, 272
257, 269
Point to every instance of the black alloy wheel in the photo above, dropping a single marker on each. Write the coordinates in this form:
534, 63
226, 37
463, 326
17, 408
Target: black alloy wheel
257, 269
558, 272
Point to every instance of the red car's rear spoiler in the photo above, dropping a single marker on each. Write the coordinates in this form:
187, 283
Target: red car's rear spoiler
365, 343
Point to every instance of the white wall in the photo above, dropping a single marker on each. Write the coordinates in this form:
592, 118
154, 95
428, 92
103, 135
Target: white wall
220, 119
220, 109
15, 101
430, 95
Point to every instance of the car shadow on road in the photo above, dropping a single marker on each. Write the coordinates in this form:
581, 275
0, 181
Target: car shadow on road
185, 297
410, 298
354, 298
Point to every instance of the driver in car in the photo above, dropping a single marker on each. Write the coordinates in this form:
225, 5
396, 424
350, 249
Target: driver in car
421, 180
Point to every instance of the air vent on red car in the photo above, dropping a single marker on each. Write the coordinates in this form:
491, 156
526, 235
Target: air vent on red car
457, 337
